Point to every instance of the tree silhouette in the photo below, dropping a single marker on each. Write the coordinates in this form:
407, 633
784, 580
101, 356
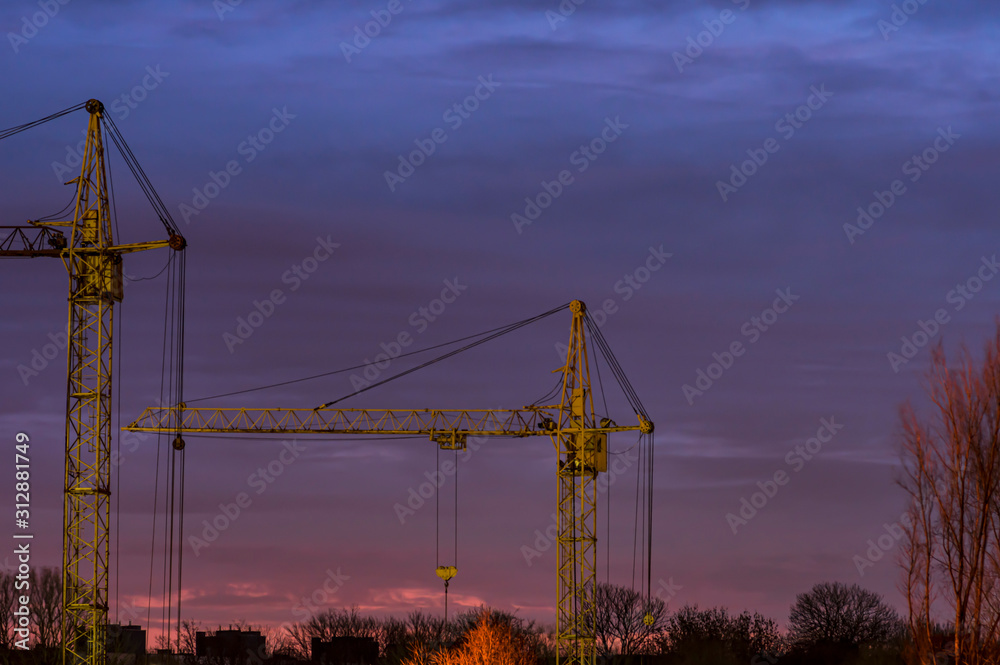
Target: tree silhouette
833, 613
714, 637
620, 620
46, 606
8, 596
328, 625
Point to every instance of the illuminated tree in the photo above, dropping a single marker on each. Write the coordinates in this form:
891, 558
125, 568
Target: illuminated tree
951, 544
491, 641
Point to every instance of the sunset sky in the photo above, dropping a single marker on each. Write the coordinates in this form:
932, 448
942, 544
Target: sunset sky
697, 166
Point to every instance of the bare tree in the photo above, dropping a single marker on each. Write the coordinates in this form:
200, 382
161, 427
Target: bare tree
418, 634
526, 632
833, 613
46, 606
951, 471
492, 640
713, 636
620, 623
754, 636
188, 644
8, 597
327, 625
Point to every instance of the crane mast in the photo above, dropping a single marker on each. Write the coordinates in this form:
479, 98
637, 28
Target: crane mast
578, 437
94, 265
582, 455
95, 286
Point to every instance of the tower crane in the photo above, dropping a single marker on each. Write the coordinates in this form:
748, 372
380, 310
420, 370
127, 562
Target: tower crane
579, 437
87, 248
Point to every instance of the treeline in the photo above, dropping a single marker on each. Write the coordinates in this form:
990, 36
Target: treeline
44, 605
832, 624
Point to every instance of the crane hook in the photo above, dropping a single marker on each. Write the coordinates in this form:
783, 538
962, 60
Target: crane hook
446, 573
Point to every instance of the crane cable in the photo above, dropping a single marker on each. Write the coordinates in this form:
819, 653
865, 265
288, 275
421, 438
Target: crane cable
602, 344
171, 391
172, 372
644, 470
344, 369
130, 159
57, 215
145, 184
446, 573
501, 331
11, 131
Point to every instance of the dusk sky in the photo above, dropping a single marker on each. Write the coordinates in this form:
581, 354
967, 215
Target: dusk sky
696, 166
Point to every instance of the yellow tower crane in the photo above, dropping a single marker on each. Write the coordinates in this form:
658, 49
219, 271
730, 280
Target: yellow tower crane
580, 440
94, 263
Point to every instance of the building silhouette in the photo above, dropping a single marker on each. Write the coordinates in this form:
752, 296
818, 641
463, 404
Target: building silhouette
235, 646
345, 651
126, 645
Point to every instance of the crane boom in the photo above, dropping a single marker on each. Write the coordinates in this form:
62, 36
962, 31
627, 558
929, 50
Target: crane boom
31, 241
529, 421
